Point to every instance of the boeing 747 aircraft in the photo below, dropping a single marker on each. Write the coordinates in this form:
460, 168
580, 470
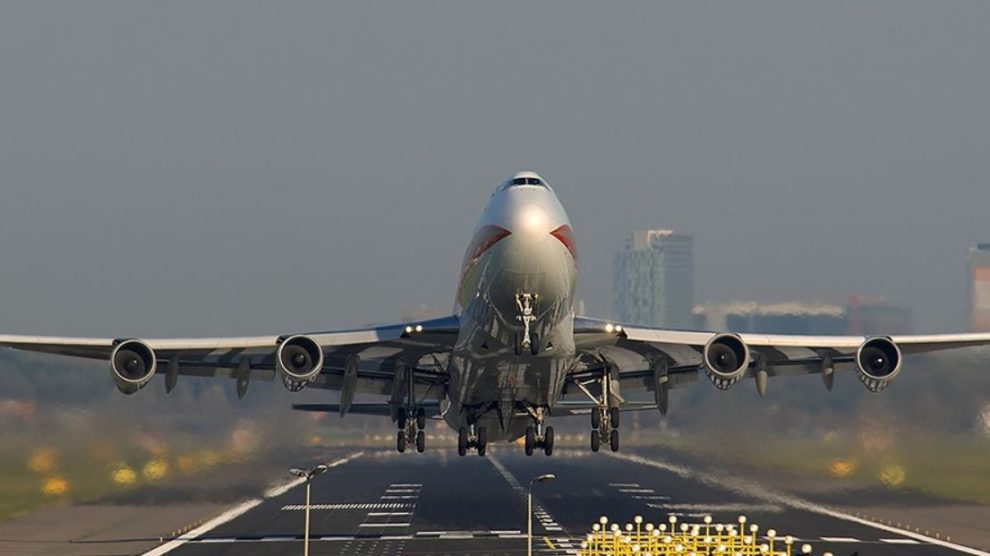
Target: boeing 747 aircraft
512, 354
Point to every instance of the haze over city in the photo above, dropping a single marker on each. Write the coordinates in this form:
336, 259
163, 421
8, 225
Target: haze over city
181, 169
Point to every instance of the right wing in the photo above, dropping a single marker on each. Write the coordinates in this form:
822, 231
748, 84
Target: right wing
643, 359
401, 361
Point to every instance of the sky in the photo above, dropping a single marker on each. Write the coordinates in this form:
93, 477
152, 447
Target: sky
236, 167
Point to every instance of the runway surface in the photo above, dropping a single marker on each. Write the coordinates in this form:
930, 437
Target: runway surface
382, 503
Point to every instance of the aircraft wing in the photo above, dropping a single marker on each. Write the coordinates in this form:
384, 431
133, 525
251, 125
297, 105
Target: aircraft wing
388, 360
638, 359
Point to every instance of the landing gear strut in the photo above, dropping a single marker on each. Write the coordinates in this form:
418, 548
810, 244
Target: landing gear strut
538, 436
472, 437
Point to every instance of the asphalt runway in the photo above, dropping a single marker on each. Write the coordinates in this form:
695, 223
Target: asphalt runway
383, 503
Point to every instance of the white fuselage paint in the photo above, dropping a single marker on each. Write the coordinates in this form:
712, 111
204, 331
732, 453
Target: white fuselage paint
523, 244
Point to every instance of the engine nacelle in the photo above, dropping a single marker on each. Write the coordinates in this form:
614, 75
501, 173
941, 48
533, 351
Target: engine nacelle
878, 361
132, 364
725, 360
299, 360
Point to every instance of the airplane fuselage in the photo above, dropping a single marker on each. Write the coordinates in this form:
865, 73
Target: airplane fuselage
515, 301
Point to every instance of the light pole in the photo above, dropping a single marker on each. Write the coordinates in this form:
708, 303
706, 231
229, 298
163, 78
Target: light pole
308, 474
529, 511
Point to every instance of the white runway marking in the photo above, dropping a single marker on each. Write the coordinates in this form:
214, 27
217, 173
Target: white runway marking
759, 491
900, 541
713, 508
237, 511
839, 539
383, 525
546, 521
349, 506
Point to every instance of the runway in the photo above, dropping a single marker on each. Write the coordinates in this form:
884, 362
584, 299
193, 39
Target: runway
383, 503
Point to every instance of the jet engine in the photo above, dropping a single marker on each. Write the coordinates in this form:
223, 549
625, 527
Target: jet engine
299, 360
725, 360
878, 361
132, 364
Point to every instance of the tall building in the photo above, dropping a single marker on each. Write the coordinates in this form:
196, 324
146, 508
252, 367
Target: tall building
979, 287
654, 279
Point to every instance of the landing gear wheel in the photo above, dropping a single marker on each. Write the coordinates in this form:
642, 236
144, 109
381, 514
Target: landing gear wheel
530, 440
462, 441
596, 418
548, 441
400, 442
482, 440
534, 343
421, 418
613, 440
613, 417
517, 343
420, 441
596, 440
401, 418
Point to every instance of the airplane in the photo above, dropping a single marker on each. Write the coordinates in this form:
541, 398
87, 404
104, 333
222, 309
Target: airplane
511, 354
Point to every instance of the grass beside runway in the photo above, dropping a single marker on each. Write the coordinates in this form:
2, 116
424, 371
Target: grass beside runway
949, 467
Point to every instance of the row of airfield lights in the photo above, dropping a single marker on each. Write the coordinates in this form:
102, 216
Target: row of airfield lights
686, 539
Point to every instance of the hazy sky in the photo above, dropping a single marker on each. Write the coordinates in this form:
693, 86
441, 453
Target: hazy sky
183, 168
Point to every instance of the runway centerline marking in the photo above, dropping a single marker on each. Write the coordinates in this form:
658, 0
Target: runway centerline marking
839, 539
755, 490
238, 511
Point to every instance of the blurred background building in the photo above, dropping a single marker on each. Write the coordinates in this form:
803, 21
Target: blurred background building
979, 287
654, 279
860, 317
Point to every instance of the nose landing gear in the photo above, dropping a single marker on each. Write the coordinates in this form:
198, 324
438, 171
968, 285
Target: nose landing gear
527, 339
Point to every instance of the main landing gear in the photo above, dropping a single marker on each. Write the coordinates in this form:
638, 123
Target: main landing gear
472, 437
605, 425
604, 415
411, 429
537, 435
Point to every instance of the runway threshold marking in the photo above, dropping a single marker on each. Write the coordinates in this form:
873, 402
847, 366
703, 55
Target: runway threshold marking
755, 490
239, 510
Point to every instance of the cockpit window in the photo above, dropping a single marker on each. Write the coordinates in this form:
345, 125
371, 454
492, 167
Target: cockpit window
534, 181
519, 181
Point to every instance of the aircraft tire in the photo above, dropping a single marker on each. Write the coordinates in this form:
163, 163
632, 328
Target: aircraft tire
400, 442
530, 440
596, 440
517, 343
420, 441
613, 440
462, 441
401, 419
613, 417
534, 343
482, 440
596, 418
420, 418
548, 441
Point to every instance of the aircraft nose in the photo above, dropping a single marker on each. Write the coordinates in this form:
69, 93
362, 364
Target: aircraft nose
531, 224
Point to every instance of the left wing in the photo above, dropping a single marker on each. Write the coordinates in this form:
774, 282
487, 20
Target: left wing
654, 360
400, 360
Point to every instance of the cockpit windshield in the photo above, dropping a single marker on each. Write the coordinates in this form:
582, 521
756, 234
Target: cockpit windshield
523, 180
527, 181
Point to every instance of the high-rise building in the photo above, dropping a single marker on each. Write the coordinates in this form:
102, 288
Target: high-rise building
979, 287
654, 279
